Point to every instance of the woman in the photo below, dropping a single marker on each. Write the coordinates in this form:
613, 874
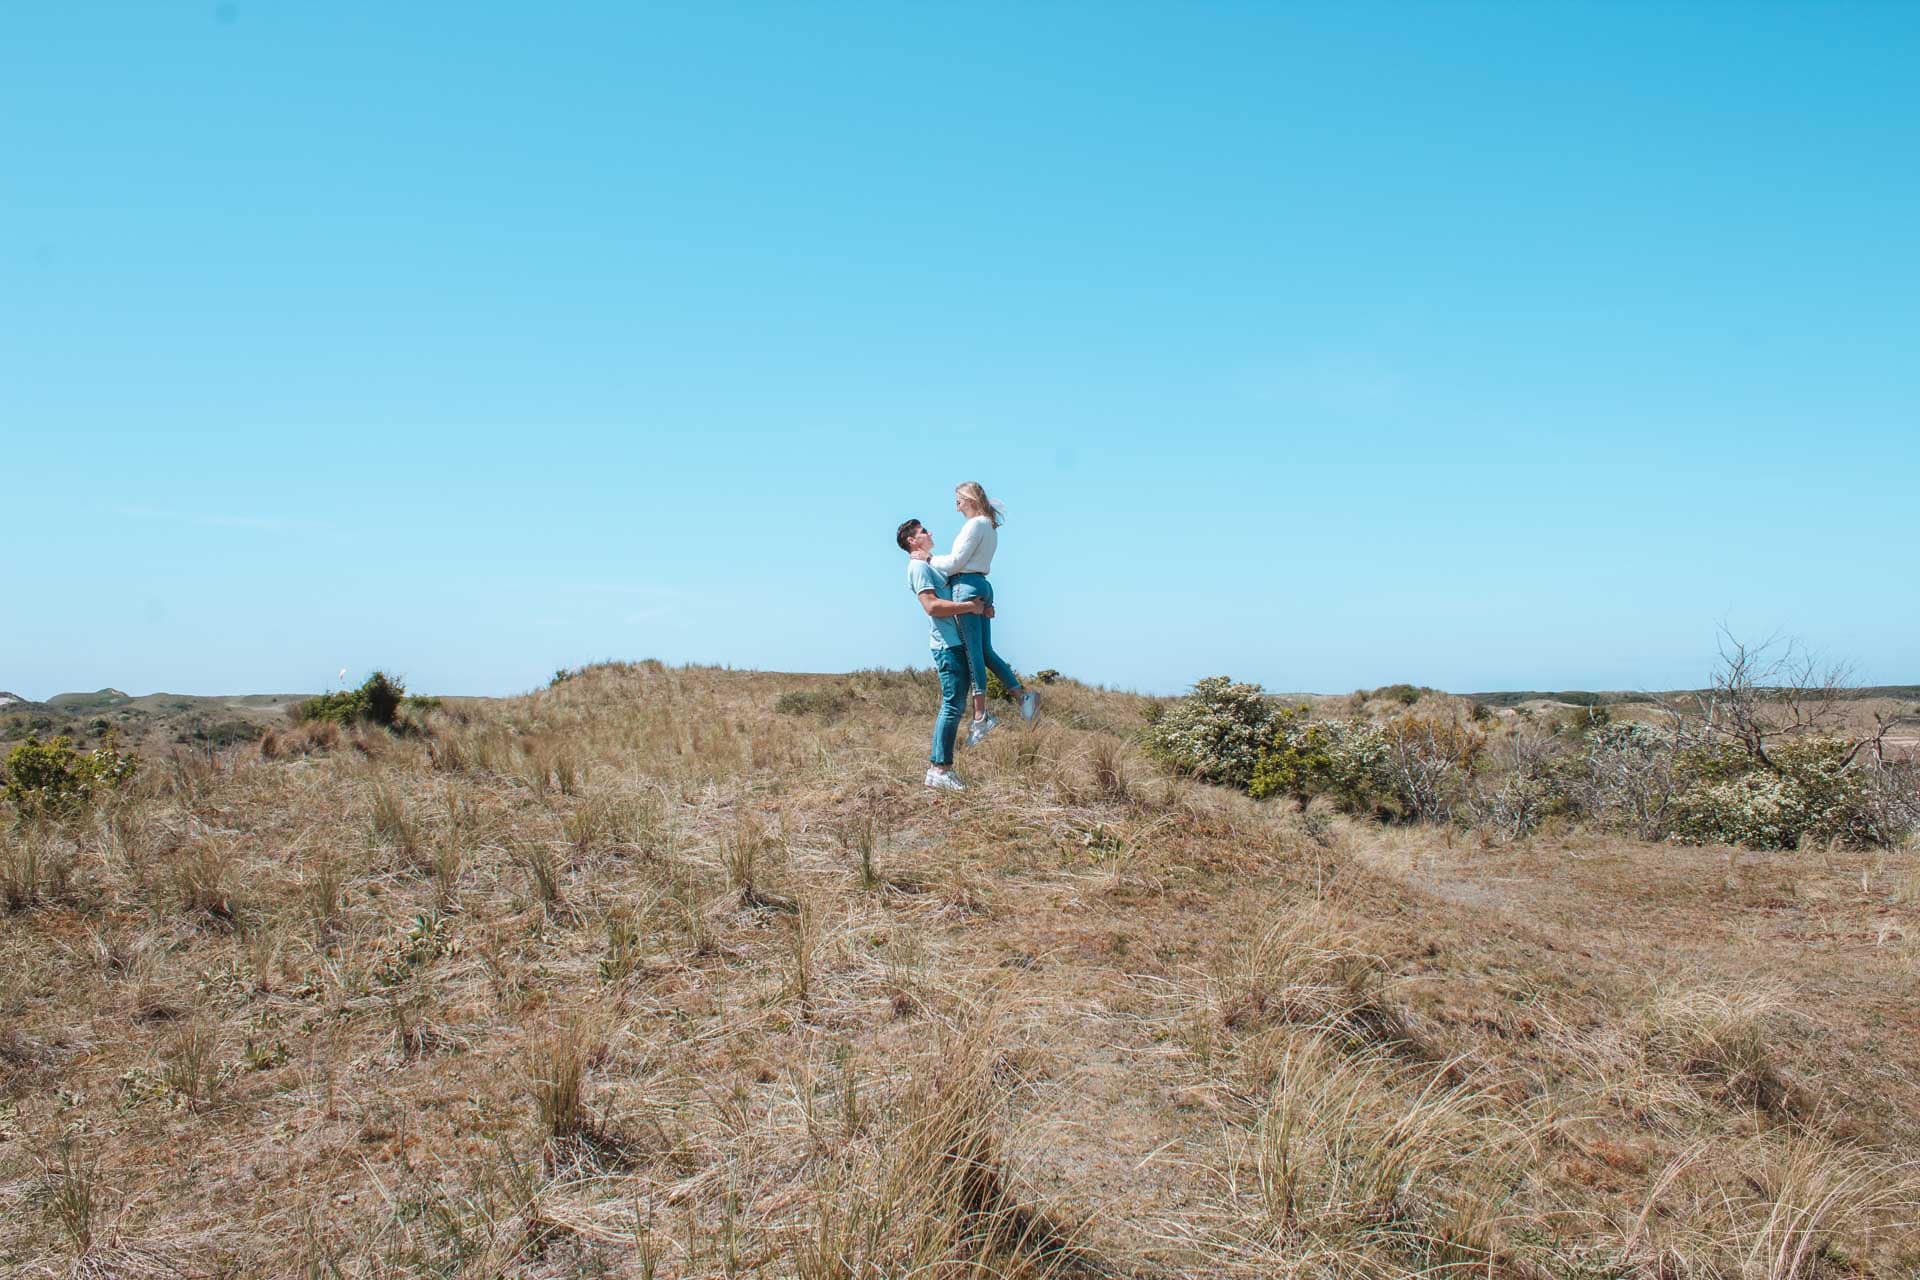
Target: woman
965, 568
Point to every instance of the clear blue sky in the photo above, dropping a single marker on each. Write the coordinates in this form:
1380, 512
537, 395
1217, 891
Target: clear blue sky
1479, 345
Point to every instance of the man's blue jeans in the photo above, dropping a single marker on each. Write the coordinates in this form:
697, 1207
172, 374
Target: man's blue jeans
976, 633
951, 666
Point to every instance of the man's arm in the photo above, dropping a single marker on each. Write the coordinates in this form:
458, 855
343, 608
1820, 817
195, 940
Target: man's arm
938, 608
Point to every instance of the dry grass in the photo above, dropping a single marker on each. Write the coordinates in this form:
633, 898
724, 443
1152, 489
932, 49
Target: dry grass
1722, 1037
637, 976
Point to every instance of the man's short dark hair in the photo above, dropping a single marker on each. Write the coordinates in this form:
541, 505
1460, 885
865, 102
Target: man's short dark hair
906, 531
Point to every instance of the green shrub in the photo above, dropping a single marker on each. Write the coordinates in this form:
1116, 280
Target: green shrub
377, 701
1404, 694
998, 690
1046, 675
1216, 733
1296, 760
52, 778
1358, 779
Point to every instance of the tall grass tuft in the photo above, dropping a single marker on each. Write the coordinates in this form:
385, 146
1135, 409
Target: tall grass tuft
1105, 758
203, 878
946, 1193
1817, 1198
1720, 1037
190, 1065
544, 871
860, 839
745, 851
323, 891
803, 946
559, 1068
393, 823
1301, 971
1352, 1145
73, 1193
23, 870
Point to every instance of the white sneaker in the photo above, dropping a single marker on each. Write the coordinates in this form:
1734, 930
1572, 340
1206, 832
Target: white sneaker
944, 780
977, 731
1029, 704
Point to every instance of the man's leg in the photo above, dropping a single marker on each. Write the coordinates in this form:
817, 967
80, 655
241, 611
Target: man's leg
951, 666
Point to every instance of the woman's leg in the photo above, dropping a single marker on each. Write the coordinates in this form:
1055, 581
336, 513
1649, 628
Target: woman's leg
1007, 675
997, 664
968, 586
991, 660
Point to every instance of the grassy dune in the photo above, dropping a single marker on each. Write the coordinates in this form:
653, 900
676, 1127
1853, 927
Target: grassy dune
637, 976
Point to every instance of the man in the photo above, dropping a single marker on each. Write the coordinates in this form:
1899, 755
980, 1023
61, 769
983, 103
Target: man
949, 657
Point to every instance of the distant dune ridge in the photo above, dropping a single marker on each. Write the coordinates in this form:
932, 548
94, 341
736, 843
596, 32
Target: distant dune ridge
145, 721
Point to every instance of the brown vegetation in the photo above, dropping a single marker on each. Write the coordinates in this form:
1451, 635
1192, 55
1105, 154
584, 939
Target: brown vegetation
640, 976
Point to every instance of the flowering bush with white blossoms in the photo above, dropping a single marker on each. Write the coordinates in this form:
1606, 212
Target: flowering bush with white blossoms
1215, 733
1815, 791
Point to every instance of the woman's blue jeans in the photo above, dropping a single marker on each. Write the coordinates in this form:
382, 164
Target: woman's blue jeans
976, 632
951, 666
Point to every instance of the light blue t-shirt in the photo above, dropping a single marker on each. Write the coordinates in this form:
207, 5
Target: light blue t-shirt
922, 576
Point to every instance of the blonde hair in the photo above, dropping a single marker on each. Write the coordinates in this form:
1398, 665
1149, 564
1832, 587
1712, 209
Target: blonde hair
977, 497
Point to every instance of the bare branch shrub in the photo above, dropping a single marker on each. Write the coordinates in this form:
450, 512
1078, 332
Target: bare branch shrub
1890, 799
1629, 777
1429, 761
1766, 693
1520, 789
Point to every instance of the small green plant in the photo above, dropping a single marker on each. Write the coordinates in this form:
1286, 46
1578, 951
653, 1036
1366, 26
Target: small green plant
425, 938
1046, 675
54, 779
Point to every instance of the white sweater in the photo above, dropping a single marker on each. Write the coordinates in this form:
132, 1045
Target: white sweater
972, 550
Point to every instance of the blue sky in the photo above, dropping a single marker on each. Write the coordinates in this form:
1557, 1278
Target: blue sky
1478, 345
